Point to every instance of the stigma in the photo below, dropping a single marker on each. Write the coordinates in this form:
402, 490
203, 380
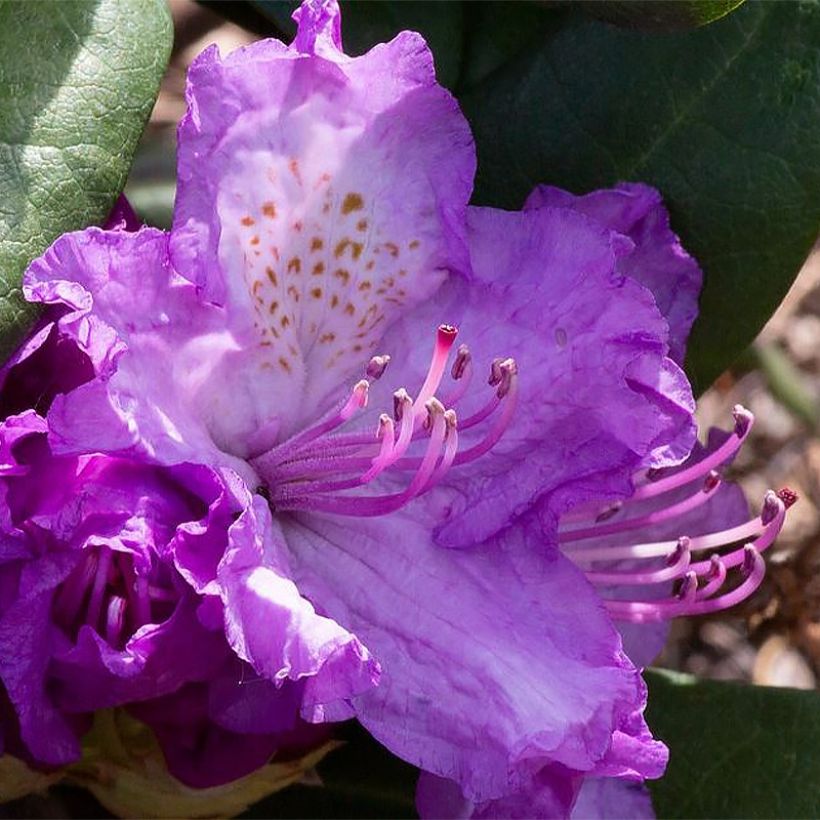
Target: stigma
706, 573
414, 446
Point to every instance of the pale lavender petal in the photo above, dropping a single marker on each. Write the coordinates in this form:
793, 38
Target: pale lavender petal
658, 259
275, 629
509, 625
597, 394
334, 200
606, 798
152, 343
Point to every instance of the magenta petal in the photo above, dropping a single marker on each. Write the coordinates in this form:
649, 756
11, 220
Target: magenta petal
657, 260
509, 625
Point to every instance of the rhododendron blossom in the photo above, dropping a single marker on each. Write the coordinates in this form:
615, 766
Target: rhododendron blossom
466, 432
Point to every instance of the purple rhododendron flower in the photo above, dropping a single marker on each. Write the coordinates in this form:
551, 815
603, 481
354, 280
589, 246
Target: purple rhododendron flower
437, 528
105, 602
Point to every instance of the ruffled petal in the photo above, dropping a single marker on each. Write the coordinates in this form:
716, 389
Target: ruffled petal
152, 344
271, 626
319, 196
597, 394
495, 661
658, 260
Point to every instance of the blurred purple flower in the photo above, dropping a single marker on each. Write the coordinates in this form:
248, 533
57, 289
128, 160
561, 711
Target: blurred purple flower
421, 569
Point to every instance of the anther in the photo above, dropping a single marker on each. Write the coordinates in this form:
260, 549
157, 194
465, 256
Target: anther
607, 512
434, 408
743, 420
495, 372
711, 481
376, 366
751, 557
357, 400
788, 496
463, 357
681, 549
771, 506
688, 588
509, 371
401, 403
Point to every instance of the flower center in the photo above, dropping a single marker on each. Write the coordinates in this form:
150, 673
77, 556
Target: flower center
606, 543
324, 471
106, 592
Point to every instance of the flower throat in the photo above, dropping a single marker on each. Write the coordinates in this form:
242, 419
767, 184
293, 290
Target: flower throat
319, 469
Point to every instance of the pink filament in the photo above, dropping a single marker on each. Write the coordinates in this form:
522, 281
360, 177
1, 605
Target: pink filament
703, 582
314, 470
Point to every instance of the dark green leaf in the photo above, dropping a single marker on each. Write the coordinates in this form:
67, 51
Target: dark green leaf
735, 750
725, 120
361, 779
659, 15
77, 82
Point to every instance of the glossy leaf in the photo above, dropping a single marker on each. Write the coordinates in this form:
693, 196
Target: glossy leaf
77, 83
660, 15
735, 750
724, 120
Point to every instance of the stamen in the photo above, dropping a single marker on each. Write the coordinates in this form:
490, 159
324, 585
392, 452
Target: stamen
710, 484
368, 506
753, 568
714, 578
95, 603
677, 564
507, 389
115, 620
450, 448
70, 597
376, 367
743, 424
311, 470
702, 582
280, 455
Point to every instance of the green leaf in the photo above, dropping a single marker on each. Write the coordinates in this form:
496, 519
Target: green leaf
77, 83
735, 750
361, 779
724, 120
659, 15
